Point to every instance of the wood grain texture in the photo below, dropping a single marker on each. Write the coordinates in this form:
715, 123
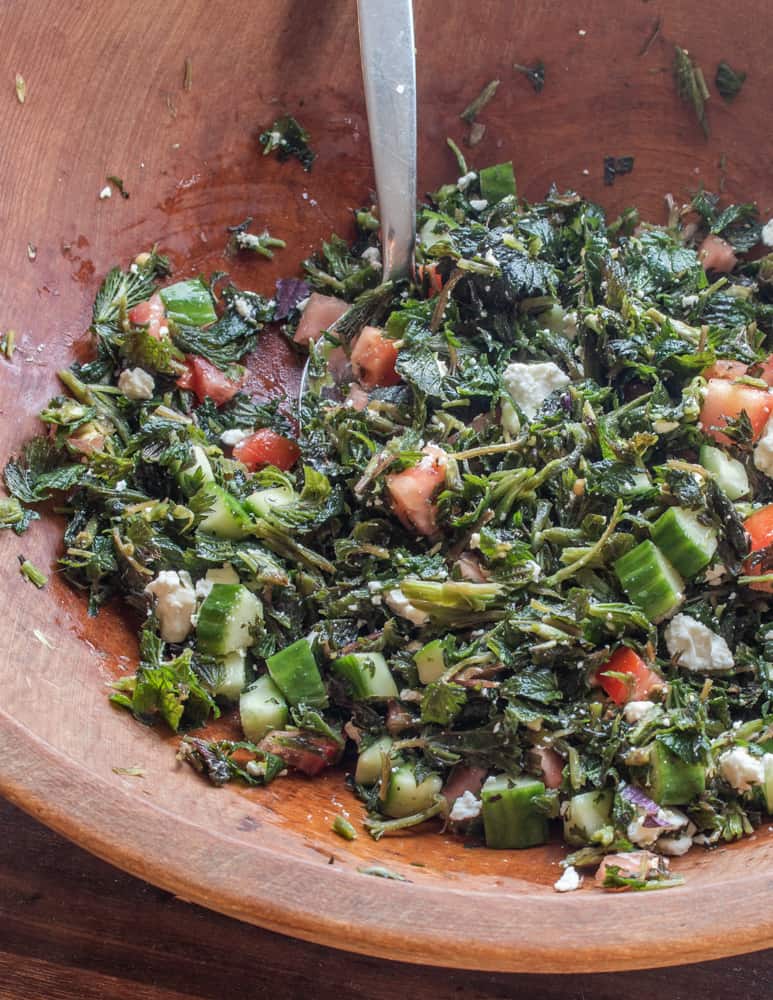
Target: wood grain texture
105, 96
75, 928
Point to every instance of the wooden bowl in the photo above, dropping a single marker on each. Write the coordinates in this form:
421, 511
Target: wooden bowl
105, 96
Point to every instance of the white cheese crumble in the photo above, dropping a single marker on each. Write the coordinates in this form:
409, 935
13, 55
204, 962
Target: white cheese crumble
465, 807
136, 383
635, 711
235, 436
715, 574
478, 204
464, 182
763, 451
106, 192
175, 603
668, 820
767, 233
373, 256
696, 647
530, 385
401, 606
674, 846
569, 881
740, 769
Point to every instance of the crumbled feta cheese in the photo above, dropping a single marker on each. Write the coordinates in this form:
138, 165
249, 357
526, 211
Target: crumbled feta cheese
534, 569
133, 268
235, 436
740, 769
664, 426
243, 307
688, 301
401, 606
478, 204
569, 881
529, 385
474, 542
374, 586
175, 603
373, 256
635, 711
120, 485
465, 807
136, 383
696, 647
490, 259
674, 846
715, 574
668, 821
763, 451
106, 192
767, 233
464, 182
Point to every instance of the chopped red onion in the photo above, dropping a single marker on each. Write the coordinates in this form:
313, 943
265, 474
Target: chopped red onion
289, 292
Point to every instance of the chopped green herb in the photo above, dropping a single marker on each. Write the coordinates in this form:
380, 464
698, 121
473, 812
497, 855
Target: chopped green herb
130, 772
118, 184
264, 243
655, 31
729, 81
32, 573
188, 74
474, 108
287, 138
691, 85
534, 74
476, 134
614, 166
8, 343
344, 828
380, 872
21, 89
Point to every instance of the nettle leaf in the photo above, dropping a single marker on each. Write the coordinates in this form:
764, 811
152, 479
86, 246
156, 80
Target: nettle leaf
442, 702
120, 290
535, 685
32, 477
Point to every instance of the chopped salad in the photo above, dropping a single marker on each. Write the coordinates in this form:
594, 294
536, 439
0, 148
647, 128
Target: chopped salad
509, 559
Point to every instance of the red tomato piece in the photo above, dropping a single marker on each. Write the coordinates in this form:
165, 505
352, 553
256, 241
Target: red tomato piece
643, 680
303, 751
725, 399
207, 381
759, 526
717, 255
373, 358
266, 447
87, 439
767, 370
726, 369
463, 778
151, 313
320, 313
552, 764
430, 272
412, 491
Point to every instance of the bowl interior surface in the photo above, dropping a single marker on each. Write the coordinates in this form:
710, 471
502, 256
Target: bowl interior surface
105, 96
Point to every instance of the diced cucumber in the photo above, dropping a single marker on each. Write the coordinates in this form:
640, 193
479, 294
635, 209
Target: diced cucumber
672, 780
367, 675
200, 463
222, 574
510, 818
189, 302
650, 580
586, 814
729, 473
233, 675
262, 708
406, 796
263, 502
227, 619
497, 181
767, 784
368, 769
295, 672
690, 545
640, 484
226, 517
430, 661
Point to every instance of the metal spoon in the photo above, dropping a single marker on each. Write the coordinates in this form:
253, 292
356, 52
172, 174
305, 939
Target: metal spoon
387, 55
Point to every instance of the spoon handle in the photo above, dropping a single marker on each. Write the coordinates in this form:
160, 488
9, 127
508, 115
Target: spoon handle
387, 52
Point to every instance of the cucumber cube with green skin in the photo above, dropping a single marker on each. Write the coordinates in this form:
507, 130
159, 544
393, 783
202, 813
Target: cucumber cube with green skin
225, 517
233, 676
199, 464
690, 545
650, 580
189, 303
263, 502
295, 672
673, 781
767, 784
367, 675
586, 814
405, 796
368, 769
729, 473
430, 661
510, 818
227, 619
262, 708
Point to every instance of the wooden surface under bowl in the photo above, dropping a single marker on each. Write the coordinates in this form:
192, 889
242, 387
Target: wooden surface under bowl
105, 96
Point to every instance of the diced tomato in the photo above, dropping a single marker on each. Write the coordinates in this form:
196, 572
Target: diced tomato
412, 491
767, 370
552, 764
373, 358
151, 314
357, 398
726, 369
87, 439
716, 254
266, 447
759, 526
320, 313
306, 752
430, 272
725, 399
643, 680
463, 778
207, 381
